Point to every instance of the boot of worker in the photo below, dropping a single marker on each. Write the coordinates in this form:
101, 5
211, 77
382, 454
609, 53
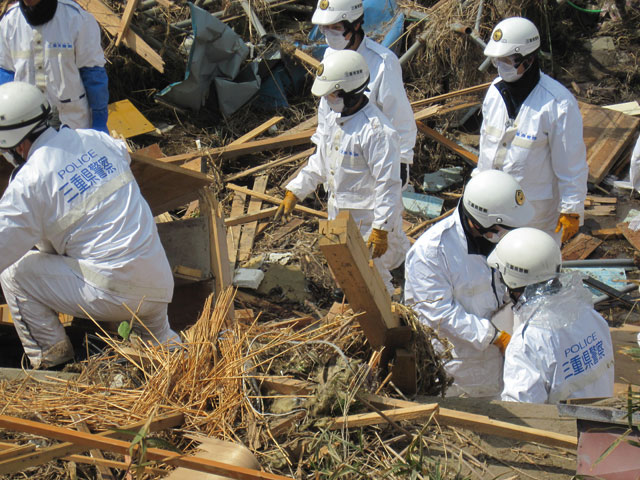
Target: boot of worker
56, 355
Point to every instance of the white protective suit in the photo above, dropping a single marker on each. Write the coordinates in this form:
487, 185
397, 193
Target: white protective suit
562, 348
50, 56
542, 149
386, 91
76, 198
455, 293
357, 158
634, 170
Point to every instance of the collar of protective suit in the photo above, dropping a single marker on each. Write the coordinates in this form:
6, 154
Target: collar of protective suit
515, 93
556, 303
40, 13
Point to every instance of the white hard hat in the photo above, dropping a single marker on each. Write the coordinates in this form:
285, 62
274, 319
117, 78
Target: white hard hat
341, 70
329, 12
22, 108
493, 197
513, 35
526, 256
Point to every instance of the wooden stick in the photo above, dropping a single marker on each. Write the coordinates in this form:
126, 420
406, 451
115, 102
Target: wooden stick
275, 163
466, 155
274, 200
88, 441
127, 16
96, 454
396, 414
306, 58
233, 151
44, 455
251, 217
249, 229
444, 96
426, 223
256, 131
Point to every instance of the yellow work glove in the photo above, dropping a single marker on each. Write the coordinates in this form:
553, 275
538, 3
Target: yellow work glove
569, 223
286, 206
502, 340
377, 240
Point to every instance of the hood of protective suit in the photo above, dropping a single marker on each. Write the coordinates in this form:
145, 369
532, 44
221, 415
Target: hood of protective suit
540, 303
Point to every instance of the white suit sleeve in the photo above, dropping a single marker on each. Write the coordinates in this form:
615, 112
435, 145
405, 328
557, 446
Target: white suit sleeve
20, 223
569, 157
88, 49
523, 374
429, 291
634, 171
6, 60
381, 151
393, 101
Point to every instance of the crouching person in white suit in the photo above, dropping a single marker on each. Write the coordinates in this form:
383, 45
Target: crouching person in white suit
72, 194
561, 347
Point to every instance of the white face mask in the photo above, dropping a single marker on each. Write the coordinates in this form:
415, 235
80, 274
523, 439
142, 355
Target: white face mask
507, 72
335, 39
335, 103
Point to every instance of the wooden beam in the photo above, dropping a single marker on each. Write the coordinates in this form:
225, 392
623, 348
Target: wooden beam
397, 415
275, 163
457, 93
45, 455
88, 441
233, 232
249, 229
233, 151
103, 471
607, 232
345, 251
466, 155
274, 200
306, 58
249, 217
580, 247
111, 23
218, 244
127, 16
256, 131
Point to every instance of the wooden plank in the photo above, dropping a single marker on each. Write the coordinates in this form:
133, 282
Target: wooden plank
580, 247
286, 386
241, 219
632, 237
103, 471
125, 119
165, 186
306, 58
348, 257
274, 200
600, 210
233, 151
9, 453
248, 234
275, 163
466, 155
286, 229
219, 255
5, 316
88, 441
233, 233
188, 273
256, 131
607, 232
457, 93
404, 373
127, 16
416, 412
45, 455
111, 23
606, 134
599, 199
483, 424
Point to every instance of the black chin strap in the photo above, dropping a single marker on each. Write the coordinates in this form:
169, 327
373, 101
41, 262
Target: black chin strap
356, 32
39, 14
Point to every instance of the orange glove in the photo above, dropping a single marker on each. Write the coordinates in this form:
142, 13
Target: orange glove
378, 240
286, 206
502, 340
569, 223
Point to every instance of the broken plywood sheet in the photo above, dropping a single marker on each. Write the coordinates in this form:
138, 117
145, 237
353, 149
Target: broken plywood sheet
165, 186
606, 134
580, 247
127, 120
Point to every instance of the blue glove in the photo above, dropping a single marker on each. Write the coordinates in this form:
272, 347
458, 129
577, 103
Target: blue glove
96, 84
6, 76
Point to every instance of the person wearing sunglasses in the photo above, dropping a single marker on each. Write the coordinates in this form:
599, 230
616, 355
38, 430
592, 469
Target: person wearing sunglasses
532, 129
452, 289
